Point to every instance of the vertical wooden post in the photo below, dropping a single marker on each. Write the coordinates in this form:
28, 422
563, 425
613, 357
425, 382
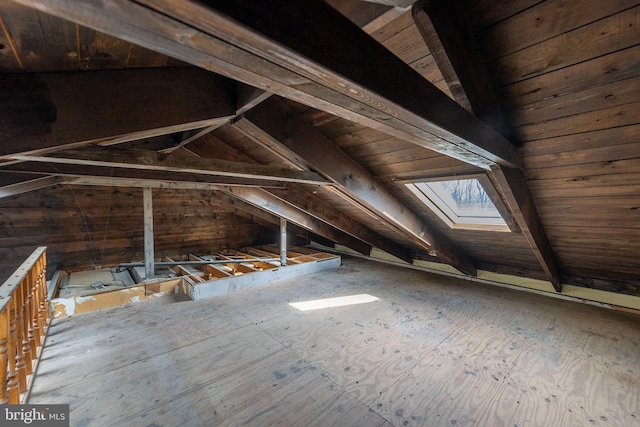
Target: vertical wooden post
283, 242
148, 233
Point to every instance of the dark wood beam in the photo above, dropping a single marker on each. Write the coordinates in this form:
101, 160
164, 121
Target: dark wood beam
365, 83
53, 110
248, 97
129, 177
513, 186
152, 160
452, 44
190, 139
263, 217
302, 199
270, 203
325, 212
295, 135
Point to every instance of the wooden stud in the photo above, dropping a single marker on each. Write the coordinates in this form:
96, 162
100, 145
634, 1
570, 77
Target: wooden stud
148, 234
283, 242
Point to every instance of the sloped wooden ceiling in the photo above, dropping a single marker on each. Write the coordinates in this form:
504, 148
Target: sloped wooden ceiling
355, 124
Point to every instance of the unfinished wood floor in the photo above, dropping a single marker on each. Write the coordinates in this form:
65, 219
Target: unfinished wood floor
432, 351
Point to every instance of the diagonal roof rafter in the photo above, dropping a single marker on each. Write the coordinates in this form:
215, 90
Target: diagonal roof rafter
301, 141
236, 40
442, 26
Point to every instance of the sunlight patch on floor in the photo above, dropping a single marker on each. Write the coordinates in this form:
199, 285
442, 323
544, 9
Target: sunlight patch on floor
333, 302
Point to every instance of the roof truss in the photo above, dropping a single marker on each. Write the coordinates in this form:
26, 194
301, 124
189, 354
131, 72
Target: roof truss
236, 39
298, 140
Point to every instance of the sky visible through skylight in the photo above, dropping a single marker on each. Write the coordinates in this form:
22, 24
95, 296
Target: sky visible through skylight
465, 197
462, 203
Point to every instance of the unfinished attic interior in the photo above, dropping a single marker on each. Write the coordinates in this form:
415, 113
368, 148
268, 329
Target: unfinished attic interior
340, 212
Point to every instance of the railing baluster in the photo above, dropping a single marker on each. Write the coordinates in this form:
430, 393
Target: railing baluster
21, 363
24, 317
35, 310
13, 383
43, 307
4, 355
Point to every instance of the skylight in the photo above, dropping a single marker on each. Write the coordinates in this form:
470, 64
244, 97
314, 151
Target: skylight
460, 203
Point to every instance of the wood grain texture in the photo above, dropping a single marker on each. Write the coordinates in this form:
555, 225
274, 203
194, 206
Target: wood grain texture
616, 32
45, 110
543, 21
432, 351
99, 226
351, 179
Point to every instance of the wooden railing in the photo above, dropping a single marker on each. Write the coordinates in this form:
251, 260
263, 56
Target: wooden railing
24, 318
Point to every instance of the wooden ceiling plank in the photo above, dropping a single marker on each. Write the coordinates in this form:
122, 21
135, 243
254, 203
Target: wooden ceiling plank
606, 69
152, 160
583, 43
384, 19
295, 63
322, 155
528, 27
52, 110
455, 50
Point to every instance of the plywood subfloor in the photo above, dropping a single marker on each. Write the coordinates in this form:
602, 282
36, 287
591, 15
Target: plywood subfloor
432, 351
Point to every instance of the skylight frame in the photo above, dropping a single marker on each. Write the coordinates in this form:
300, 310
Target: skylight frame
433, 201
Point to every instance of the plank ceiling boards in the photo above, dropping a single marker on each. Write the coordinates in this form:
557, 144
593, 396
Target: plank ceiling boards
569, 82
124, 75
60, 45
